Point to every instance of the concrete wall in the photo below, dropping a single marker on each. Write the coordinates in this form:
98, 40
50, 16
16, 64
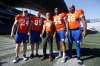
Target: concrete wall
95, 26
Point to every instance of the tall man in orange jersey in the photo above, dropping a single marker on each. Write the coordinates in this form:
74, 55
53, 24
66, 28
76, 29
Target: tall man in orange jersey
20, 27
60, 33
35, 31
74, 17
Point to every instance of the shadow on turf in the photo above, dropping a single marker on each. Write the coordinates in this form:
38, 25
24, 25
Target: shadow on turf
92, 53
86, 53
92, 32
1, 63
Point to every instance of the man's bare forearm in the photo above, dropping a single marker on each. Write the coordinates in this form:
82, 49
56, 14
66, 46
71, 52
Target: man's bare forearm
84, 23
14, 28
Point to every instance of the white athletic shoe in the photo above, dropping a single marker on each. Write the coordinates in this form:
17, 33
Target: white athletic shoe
62, 60
79, 62
59, 56
25, 58
15, 60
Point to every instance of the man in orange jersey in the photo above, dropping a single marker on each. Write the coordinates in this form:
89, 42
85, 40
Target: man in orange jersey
60, 34
74, 17
20, 27
35, 31
48, 27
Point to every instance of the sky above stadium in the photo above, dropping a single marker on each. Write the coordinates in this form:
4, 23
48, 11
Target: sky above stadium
90, 7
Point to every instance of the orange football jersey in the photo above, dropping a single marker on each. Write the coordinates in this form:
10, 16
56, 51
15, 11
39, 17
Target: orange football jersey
74, 19
37, 23
48, 25
22, 24
59, 22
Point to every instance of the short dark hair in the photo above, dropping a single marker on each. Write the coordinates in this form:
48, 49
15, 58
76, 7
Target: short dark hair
73, 6
25, 11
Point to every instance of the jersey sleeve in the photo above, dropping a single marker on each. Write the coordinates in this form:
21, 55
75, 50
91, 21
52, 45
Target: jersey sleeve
81, 13
16, 17
32, 18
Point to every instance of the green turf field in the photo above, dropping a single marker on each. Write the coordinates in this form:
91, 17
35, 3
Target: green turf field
90, 52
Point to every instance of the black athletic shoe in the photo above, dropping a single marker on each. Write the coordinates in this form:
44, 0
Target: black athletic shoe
32, 56
37, 55
51, 58
44, 57
69, 57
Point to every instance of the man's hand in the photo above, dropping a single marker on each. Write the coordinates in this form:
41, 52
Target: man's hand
54, 35
41, 35
84, 34
12, 35
28, 34
66, 34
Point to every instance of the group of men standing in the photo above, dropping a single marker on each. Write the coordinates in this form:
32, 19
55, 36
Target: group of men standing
61, 26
